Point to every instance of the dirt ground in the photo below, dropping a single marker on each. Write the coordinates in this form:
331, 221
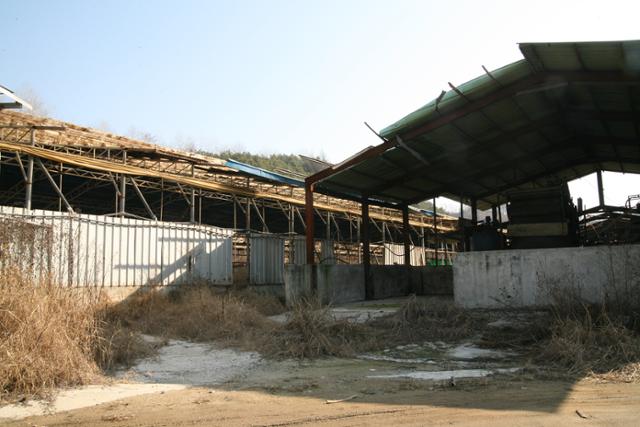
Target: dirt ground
423, 383
496, 403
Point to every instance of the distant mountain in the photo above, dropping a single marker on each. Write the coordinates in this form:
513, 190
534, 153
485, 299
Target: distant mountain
297, 166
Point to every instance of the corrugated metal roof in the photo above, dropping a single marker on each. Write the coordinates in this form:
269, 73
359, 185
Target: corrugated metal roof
263, 173
564, 111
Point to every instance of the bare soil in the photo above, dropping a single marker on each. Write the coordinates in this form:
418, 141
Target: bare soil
385, 386
496, 402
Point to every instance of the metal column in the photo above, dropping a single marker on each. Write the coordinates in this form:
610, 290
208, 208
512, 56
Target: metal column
600, 189
123, 187
192, 204
29, 182
366, 253
435, 231
474, 212
308, 213
405, 235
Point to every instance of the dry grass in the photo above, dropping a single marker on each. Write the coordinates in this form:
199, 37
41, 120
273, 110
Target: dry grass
601, 341
196, 314
50, 336
311, 331
588, 343
419, 320
47, 338
56, 337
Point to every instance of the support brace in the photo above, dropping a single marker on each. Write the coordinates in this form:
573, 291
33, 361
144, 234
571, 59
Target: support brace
55, 186
143, 200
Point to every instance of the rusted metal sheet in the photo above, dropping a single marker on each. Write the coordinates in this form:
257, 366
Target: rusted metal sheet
103, 251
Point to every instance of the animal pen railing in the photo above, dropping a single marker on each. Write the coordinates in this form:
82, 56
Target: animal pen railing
104, 251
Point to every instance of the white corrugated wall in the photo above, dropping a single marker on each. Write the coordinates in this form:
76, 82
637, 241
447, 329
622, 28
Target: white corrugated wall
94, 250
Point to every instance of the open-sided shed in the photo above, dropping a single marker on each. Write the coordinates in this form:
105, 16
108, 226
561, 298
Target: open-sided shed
562, 112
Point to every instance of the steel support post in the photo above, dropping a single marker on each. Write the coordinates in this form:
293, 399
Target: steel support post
122, 196
123, 188
292, 225
235, 213
29, 182
248, 215
435, 230
192, 202
192, 207
308, 212
405, 235
366, 252
600, 189
61, 189
474, 212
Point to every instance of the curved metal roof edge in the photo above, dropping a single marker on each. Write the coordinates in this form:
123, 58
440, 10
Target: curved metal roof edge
450, 98
263, 173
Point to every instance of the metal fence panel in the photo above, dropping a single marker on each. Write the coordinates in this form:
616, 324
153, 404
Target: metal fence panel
266, 259
93, 250
299, 245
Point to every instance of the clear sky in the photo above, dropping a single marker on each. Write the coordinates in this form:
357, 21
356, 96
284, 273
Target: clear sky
276, 76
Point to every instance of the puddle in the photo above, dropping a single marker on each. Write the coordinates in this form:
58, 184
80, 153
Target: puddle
446, 375
182, 362
468, 351
383, 358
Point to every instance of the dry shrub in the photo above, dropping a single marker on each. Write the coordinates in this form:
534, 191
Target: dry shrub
584, 338
311, 331
587, 342
50, 336
427, 320
265, 304
119, 345
191, 313
47, 337
56, 337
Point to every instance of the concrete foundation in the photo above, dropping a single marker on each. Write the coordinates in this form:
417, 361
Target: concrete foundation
532, 277
339, 284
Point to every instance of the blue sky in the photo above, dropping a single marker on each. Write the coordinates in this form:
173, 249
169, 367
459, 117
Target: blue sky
273, 76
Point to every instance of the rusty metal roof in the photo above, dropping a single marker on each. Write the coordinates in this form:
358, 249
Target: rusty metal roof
562, 112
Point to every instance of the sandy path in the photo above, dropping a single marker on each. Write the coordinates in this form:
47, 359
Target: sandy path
499, 404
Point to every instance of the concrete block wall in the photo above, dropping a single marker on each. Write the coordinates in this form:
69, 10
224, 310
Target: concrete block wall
528, 277
338, 284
